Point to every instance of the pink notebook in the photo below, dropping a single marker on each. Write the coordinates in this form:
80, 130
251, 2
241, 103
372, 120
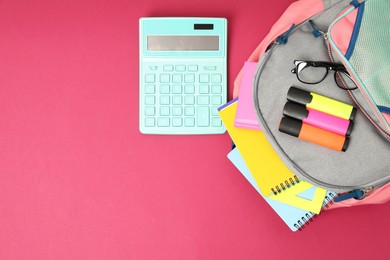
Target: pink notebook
246, 115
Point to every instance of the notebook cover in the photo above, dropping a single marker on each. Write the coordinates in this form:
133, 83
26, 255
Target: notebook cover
267, 168
246, 115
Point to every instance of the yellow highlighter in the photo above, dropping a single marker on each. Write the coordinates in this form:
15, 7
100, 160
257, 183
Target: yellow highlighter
321, 103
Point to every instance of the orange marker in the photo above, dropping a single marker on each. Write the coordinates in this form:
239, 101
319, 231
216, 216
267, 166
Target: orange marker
313, 134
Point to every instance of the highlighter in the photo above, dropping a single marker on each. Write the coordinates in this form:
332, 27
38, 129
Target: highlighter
320, 103
313, 134
319, 119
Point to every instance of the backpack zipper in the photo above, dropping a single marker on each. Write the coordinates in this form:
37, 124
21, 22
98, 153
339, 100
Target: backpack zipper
355, 194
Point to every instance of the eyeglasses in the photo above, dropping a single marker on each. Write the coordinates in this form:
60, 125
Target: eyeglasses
314, 72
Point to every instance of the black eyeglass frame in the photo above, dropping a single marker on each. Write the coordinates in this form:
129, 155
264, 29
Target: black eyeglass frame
336, 67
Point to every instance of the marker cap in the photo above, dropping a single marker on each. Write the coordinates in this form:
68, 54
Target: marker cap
295, 110
290, 126
299, 96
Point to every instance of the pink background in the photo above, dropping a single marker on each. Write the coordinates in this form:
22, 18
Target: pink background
78, 180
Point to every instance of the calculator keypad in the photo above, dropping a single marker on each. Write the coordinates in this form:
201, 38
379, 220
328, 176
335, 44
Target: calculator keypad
182, 96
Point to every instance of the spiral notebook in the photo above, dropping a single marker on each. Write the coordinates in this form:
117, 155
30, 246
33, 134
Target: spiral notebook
295, 218
268, 170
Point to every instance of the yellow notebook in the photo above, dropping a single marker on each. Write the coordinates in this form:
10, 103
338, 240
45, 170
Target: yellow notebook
265, 165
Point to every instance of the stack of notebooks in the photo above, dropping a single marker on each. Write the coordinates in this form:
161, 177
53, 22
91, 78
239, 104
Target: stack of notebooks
294, 200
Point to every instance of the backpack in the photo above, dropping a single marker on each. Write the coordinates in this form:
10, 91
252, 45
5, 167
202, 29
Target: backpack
356, 35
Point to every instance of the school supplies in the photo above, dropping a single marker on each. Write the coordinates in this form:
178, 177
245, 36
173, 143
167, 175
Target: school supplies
303, 195
268, 170
270, 173
321, 103
313, 134
246, 116
182, 75
343, 33
319, 119
314, 72
294, 217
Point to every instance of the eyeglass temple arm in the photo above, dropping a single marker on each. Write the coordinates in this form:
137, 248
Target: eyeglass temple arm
330, 65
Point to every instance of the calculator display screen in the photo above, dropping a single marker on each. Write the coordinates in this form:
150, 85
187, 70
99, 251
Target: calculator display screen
183, 43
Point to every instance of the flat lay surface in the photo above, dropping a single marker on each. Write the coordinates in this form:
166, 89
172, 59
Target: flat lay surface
79, 181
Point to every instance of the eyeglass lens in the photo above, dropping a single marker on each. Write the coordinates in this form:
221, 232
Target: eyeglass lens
309, 74
344, 81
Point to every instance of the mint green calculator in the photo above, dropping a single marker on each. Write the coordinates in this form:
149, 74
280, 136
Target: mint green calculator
182, 75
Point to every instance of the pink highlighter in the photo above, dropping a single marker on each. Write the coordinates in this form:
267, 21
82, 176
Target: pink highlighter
319, 119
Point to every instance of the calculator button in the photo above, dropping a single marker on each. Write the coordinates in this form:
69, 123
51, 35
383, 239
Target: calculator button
189, 100
177, 78
214, 111
153, 67
203, 100
216, 89
164, 89
168, 68
216, 122
189, 89
177, 121
203, 116
180, 68
189, 78
150, 111
150, 89
216, 78
189, 121
164, 111
176, 89
150, 78
204, 78
163, 121
203, 89
177, 100
150, 100
189, 111
149, 122
209, 67
164, 78
192, 67
177, 111
164, 100
216, 100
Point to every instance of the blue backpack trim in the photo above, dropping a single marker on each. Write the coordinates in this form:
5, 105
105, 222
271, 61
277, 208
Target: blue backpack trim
355, 32
384, 109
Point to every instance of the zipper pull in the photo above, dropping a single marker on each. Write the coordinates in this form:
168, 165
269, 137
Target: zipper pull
325, 35
356, 194
367, 190
283, 38
315, 31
